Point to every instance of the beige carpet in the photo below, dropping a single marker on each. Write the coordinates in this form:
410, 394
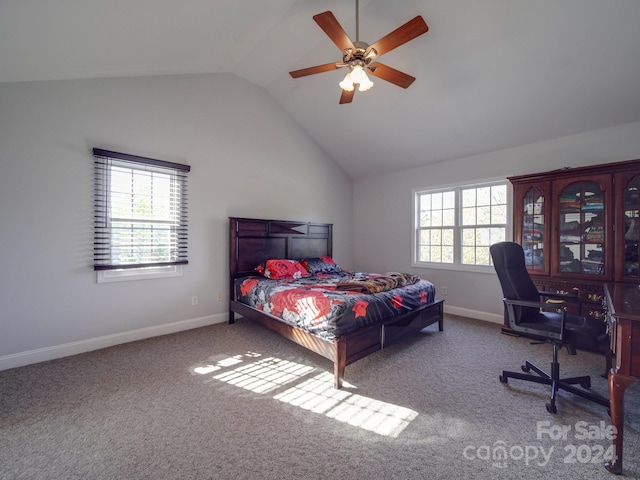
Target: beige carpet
239, 402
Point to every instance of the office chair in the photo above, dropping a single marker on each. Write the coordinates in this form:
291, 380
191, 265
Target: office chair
530, 316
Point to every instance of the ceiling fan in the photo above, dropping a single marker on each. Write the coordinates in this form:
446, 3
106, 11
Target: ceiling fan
359, 56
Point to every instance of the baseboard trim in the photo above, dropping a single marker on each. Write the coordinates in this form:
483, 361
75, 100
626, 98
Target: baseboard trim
29, 357
467, 312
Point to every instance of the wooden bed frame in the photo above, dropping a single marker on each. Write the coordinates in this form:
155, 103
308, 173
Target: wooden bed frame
253, 241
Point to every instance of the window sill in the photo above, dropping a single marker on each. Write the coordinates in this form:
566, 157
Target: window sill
127, 275
486, 269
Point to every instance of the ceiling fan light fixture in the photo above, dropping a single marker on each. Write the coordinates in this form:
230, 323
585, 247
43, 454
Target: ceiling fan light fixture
358, 76
347, 84
365, 84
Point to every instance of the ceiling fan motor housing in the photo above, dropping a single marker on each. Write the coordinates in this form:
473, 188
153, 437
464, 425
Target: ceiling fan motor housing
359, 56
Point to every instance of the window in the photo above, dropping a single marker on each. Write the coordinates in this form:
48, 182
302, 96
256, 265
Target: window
140, 209
454, 227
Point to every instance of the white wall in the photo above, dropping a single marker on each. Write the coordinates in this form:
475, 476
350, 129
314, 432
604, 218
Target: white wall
383, 224
248, 158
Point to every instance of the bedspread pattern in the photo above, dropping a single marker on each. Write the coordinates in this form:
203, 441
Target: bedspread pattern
317, 303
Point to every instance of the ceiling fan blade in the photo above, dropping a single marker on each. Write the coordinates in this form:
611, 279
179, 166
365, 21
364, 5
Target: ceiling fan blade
334, 30
401, 35
391, 75
327, 67
347, 96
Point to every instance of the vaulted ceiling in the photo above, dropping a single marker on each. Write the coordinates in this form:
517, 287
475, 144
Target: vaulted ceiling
491, 74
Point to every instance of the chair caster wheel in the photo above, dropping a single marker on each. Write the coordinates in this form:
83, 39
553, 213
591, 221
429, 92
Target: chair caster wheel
585, 385
503, 379
525, 369
551, 408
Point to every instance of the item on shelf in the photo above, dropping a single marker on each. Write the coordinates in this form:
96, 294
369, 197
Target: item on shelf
594, 234
631, 225
533, 208
532, 257
565, 253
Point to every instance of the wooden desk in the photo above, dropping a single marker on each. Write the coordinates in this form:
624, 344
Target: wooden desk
623, 308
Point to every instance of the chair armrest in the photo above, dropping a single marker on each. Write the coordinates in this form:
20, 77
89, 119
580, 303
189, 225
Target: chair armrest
509, 304
522, 303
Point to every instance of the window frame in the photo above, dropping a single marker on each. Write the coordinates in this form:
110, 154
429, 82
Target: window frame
166, 210
457, 264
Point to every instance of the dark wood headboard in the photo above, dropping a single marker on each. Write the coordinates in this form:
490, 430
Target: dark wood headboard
254, 241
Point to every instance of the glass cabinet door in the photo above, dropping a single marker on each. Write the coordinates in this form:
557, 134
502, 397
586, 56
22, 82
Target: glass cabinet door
582, 229
631, 228
533, 231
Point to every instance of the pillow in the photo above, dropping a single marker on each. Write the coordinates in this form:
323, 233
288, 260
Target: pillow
277, 268
320, 265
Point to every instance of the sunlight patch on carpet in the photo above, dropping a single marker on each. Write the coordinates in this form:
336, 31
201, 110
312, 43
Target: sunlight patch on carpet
315, 393
259, 375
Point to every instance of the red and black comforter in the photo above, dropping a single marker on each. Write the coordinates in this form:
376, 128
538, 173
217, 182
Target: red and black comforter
323, 305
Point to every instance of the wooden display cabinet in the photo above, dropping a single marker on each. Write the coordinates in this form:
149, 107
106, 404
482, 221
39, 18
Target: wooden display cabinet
579, 228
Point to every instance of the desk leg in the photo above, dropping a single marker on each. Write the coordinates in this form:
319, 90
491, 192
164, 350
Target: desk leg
617, 385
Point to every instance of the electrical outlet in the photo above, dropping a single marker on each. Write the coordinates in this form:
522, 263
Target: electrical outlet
444, 290
194, 301
220, 297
